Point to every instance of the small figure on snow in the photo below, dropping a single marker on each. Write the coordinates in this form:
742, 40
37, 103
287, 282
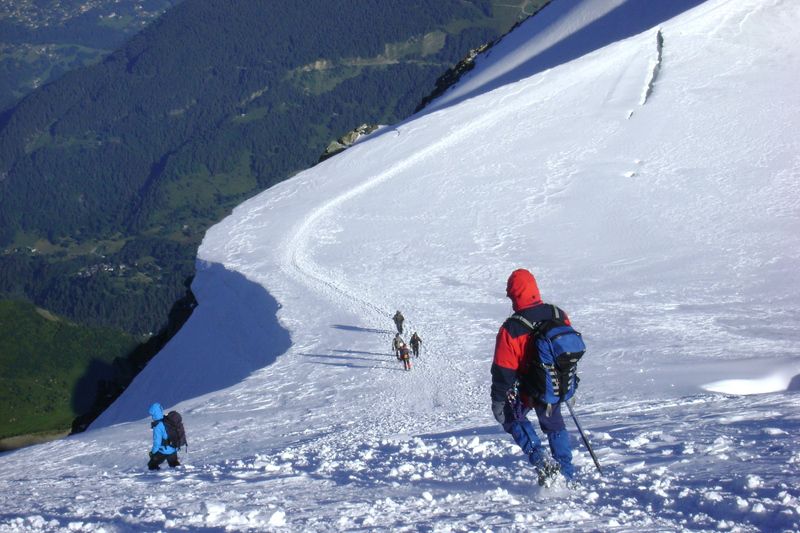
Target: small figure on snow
398, 321
405, 356
397, 343
415, 342
161, 450
511, 406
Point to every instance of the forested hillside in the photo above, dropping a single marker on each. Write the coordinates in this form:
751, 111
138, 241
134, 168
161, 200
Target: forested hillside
40, 41
110, 175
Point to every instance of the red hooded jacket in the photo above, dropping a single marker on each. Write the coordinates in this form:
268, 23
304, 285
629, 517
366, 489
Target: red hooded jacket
513, 337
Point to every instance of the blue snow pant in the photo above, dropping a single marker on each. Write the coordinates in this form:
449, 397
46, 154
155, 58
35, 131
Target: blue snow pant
553, 426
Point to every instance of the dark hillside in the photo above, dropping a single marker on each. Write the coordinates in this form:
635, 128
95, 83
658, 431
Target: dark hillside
51, 368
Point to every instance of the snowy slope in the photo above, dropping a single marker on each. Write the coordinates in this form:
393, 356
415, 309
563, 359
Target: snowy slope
651, 185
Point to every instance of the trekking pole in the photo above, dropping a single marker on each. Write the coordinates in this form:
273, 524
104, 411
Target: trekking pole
585, 440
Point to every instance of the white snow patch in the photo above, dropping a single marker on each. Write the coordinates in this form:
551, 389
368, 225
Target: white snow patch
772, 383
754, 482
278, 519
639, 441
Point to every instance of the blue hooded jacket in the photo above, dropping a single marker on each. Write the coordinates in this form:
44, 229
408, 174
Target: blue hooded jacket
160, 432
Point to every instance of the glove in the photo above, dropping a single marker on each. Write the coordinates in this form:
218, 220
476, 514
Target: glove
151, 454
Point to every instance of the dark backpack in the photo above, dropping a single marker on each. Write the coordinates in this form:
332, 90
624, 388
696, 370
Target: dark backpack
176, 435
550, 375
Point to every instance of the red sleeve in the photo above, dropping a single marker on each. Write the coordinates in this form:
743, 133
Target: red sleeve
508, 351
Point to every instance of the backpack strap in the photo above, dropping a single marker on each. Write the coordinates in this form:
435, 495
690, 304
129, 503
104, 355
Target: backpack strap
536, 326
523, 320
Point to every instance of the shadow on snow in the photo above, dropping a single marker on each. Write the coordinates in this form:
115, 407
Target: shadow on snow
357, 328
204, 356
387, 358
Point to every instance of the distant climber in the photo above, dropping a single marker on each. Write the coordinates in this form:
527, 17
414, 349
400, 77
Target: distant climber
405, 356
161, 450
398, 321
397, 343
415, 342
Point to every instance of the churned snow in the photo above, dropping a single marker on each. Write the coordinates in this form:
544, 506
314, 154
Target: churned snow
667, 227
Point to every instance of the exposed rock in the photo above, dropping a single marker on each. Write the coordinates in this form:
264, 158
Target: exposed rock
347, 140
453, 74
449, 78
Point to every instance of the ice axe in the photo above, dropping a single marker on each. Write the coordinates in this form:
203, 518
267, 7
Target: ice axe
585, 440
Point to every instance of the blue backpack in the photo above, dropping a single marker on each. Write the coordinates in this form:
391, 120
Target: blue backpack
550, 375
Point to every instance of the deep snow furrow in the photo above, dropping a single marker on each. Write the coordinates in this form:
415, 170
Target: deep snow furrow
655, 68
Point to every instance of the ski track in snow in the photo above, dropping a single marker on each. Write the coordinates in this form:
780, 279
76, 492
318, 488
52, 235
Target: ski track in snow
372, 308
333, 436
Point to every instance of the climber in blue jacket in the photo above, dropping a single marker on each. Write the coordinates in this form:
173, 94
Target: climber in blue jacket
161, 450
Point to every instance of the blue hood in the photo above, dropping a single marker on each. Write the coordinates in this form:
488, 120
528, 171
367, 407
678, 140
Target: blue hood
156, 411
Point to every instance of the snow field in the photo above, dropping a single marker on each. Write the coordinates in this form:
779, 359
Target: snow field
693, 473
